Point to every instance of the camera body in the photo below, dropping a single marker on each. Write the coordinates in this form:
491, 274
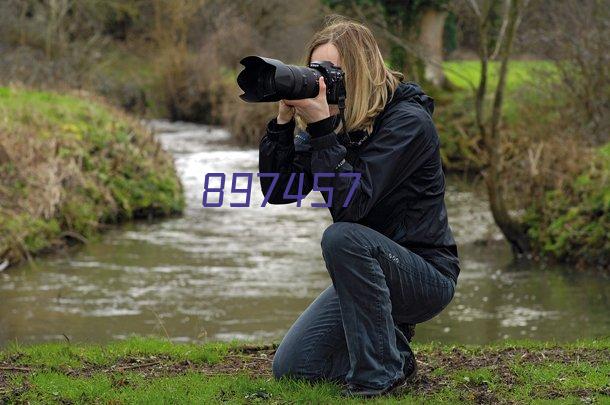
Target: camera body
267, 80
334, 77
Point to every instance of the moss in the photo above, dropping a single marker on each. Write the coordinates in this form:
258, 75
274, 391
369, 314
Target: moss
573, 223
69, 163
16, 229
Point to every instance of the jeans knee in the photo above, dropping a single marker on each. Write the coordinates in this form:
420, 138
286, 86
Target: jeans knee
291, 363
337, 235
283, 363
278, 368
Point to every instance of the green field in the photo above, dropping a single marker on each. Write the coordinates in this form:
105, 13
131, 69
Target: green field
146, 370
524, 84
465, 74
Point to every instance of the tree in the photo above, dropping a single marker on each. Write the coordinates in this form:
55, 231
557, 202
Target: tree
430, 40
573, 35
489, 128
414, 29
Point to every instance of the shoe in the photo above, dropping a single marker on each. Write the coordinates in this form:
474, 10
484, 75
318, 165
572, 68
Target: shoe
411, 329
410, 373
408, 329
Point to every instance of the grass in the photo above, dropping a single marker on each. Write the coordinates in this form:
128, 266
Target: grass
149, 370
465, 74
70, 163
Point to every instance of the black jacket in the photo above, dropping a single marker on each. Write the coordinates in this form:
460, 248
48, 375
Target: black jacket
402, 186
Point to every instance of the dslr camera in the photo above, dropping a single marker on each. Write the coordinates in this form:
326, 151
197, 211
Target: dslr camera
266, 80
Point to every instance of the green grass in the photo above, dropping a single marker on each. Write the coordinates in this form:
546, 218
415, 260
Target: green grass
465, 74
70, 162
149, 370
521, 83
57, 355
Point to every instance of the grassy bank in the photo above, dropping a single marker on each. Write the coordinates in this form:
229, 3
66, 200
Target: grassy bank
559, 182
144, 370
71, 163
572, 223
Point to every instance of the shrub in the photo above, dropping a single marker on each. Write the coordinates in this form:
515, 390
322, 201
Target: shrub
572, 223
69, 163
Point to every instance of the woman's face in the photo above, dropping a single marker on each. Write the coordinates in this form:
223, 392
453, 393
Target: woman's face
327, 52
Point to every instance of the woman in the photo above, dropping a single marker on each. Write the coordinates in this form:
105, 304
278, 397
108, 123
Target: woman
390, 252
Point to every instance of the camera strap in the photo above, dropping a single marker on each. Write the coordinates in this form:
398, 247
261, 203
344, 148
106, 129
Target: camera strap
341, 105
346, 137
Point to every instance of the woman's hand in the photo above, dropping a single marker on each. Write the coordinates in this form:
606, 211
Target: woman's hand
312, 109
285, 113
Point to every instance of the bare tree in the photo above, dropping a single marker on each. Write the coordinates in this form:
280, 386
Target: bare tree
574, 35
430, 40
57, 10
489, 127
172, 22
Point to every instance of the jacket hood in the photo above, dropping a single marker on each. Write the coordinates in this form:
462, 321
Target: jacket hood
412, 92
404, 91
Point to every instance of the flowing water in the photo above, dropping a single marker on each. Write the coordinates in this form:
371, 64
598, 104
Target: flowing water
223, 273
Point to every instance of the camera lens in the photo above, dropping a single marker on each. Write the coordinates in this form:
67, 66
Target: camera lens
265, 79
266, 83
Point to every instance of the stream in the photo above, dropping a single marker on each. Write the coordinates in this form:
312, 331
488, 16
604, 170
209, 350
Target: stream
247, 273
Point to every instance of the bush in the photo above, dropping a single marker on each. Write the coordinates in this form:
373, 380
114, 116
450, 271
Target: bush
572, 224
69, 163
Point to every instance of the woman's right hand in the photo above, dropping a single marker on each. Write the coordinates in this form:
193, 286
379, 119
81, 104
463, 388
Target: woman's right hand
285, 114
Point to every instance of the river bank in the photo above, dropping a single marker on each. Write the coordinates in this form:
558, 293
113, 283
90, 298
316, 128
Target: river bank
71, 163
153, 370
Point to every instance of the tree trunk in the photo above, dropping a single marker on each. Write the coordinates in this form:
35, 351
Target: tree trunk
431, 43
513, 230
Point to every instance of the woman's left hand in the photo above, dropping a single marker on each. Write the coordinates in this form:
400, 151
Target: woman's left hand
312, 109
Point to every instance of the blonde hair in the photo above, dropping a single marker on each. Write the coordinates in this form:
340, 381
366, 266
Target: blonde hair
369, 82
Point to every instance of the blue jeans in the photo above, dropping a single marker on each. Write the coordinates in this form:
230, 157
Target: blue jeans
354, 331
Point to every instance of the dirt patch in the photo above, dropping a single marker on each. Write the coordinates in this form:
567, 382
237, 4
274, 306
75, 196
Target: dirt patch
253, 362
500, 362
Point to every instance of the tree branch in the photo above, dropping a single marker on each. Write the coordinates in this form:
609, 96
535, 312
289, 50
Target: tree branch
475, 7
500, 39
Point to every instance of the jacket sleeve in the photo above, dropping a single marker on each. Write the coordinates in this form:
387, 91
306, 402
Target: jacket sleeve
405, 140
277, 154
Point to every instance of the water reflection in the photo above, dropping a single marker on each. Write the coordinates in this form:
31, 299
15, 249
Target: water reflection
222, 273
